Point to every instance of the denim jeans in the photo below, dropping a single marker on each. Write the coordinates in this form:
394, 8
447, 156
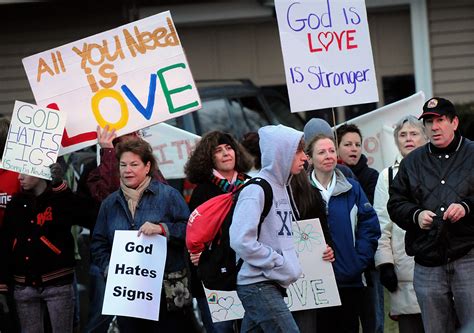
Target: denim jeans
265, 309
96, 321
77, 303
444, 292
30, 302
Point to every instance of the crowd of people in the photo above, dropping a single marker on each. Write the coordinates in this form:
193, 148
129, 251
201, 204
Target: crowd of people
409, 229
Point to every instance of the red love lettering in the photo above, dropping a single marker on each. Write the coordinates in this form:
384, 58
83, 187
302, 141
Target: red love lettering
327, 39
69, 141
310, 43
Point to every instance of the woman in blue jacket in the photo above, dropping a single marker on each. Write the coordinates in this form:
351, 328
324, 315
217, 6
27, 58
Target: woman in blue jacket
150, 207
354, 229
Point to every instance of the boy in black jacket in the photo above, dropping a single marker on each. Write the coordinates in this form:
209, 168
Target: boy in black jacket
38, 250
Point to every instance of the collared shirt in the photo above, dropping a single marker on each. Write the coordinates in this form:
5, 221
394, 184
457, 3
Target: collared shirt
325, 193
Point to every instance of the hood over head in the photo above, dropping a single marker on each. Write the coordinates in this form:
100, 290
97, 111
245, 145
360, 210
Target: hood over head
278, 145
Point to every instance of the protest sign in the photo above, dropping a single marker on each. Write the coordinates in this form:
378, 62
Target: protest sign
327, 53
315, 289
378, 144
171, 147
135, 275
33, 140
128, 78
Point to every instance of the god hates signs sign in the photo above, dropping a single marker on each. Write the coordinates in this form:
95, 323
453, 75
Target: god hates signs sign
327, 53
128, 78
33, 140
135, 275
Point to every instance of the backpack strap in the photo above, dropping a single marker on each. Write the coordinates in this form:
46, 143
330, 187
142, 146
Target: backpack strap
268, 194
390, 176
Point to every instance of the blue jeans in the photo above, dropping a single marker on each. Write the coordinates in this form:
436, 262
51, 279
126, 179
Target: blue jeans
265, 309
96, 322
444, 292
77, 303
30, 304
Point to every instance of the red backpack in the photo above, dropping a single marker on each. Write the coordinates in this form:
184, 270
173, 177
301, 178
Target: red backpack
208, 232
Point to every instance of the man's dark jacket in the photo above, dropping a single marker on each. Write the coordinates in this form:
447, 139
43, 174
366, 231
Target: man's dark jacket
432, 178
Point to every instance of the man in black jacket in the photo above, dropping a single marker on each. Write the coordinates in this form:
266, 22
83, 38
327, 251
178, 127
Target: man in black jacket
432, 198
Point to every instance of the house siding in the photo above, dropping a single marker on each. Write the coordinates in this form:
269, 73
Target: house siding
451, 25
29, 29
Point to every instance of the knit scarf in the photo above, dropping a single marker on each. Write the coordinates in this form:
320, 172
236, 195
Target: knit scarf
237, 181
133, 195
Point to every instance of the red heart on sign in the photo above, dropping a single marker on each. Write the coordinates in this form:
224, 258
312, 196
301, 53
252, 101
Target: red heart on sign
326, 40
69, 141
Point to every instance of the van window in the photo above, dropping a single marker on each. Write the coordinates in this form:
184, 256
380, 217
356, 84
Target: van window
229, 115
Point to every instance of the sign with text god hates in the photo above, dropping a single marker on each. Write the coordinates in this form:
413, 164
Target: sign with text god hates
33, 140
135, 275
315, 289
327, 53
129, 78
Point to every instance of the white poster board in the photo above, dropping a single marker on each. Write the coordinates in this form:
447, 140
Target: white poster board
171, 147
327, 53
377, 129
33, 140
315, 289
135, 275
129, 78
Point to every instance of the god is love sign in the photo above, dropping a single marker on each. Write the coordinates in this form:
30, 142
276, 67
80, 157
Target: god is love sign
128, 78
326, 52
33, 140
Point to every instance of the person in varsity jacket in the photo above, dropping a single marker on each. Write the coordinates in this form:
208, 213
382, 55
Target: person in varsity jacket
38, 250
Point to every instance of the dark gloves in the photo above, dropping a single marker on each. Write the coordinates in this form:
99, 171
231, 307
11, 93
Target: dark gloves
388, 278
57, 174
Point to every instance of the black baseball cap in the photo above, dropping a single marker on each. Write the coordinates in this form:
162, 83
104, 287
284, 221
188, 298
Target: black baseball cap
436, 107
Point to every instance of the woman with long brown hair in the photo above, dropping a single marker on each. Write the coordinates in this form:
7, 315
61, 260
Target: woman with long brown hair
217, 166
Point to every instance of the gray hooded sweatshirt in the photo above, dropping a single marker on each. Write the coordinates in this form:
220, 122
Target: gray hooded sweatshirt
272, 255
